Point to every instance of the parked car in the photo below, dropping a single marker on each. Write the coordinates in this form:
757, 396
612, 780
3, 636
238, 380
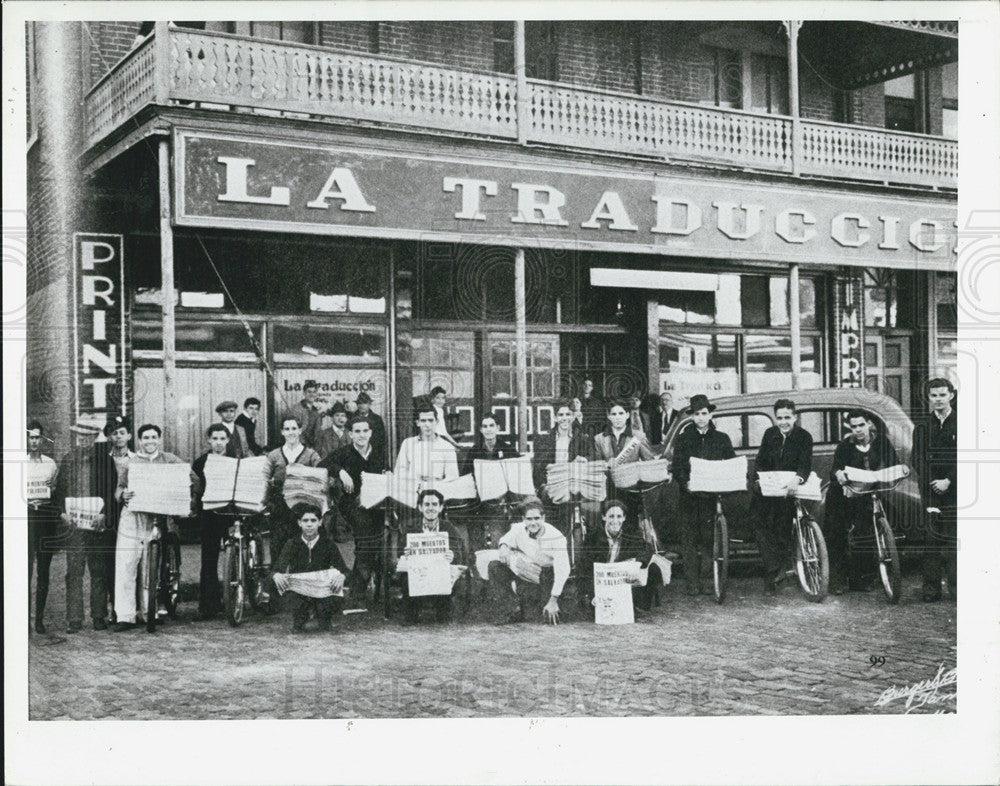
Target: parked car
823, 413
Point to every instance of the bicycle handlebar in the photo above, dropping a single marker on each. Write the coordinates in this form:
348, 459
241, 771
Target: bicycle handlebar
859, 487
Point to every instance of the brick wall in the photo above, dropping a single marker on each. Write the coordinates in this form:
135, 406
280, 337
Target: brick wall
817, 100
107, 43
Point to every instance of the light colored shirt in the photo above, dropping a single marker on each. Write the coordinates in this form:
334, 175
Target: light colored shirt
547, 550
292, 453
435, 458
440, 427
562, 447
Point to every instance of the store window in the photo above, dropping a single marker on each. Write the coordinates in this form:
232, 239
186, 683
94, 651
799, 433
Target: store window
217, 341
769, 363
445, 360
949, 100
745, 431
693, 363
732, 299
311, 344
542, 368
888, 298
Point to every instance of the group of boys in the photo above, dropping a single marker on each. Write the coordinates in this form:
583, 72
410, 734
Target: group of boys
533, 559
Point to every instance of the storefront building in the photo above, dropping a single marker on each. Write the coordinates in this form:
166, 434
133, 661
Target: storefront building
361, 203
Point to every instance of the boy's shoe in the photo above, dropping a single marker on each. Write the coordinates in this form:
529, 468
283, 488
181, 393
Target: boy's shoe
73, 627
121, 627
100, 624
325, 625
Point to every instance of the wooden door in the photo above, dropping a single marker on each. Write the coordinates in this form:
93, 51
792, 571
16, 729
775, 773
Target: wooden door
887, 366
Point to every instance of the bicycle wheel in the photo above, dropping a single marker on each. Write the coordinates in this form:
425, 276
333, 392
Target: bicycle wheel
257, 575
151, 583
888, 560
171, 582
720, 557
232, 587
811, 561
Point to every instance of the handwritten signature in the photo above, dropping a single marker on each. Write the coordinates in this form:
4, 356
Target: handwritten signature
924, 693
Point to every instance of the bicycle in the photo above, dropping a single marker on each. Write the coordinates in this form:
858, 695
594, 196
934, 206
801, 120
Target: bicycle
885, 540
720, 545
161, 575
245, 566
812, 563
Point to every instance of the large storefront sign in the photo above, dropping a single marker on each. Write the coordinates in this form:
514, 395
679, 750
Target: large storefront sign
98, 327
248, 183
340, 384
850, 338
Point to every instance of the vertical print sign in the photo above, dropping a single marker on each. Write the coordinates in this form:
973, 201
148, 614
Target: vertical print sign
850, 343
98, 327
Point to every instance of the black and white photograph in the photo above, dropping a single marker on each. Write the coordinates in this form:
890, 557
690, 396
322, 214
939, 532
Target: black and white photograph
619, 378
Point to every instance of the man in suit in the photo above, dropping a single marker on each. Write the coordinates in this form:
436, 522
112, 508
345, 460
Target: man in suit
786, 447
663, 419
247, 420
379, 438
699, 439
618, 541
935, 459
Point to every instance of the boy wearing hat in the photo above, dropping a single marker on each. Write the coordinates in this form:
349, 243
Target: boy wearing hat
333, 435
239, 445
88, 470
41, 471
699, 439
375, 422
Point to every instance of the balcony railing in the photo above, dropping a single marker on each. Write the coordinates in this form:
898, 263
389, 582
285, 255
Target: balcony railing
216, 70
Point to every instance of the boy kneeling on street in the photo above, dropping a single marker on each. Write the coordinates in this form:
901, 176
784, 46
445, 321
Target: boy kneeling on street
297, 573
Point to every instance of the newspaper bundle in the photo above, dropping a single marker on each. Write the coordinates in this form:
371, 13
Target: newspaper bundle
586, 478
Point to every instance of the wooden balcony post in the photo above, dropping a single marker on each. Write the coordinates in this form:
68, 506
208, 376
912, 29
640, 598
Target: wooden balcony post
795, 324
521, 83
521, 351
161, 61
167, 294
793, 94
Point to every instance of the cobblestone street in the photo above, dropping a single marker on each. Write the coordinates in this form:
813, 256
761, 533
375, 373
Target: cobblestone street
751, 656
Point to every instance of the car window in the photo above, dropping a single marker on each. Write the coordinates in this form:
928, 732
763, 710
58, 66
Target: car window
830, 425
745, 431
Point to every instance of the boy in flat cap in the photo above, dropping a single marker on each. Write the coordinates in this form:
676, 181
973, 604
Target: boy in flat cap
239, 443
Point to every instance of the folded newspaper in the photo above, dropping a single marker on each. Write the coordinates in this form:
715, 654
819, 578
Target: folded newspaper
316, 584
625, 476
775, 484
164, 489
376, 488
718, 477
868, 477
495, 478
305, 484
586, 478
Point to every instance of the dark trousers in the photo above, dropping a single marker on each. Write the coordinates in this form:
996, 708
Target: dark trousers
213, 530
851, 553
301, 605
526, 596
43, 543
941, 550
697, 515
440, 603
772, 527
86, 550
364, 528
